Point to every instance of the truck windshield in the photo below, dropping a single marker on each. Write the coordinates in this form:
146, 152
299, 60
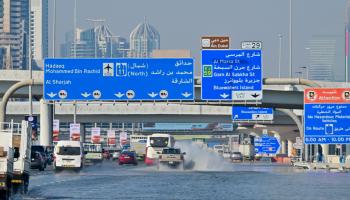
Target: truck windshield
171, 151
159, 141
38, 148
95, 148
69, 151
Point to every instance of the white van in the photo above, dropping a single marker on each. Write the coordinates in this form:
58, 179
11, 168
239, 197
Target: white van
68, 155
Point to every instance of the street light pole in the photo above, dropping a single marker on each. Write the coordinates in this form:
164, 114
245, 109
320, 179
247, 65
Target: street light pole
280, 36
306, 70
75, 28
290, 40
30, 60
300, 74
54, 29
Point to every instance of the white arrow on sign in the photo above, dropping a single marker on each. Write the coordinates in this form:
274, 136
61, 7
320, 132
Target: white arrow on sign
119, 95
186, 94
224, 95
85, 94
51, 94
152, 94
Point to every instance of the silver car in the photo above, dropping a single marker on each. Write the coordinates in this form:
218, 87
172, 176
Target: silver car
115, 155
236, 157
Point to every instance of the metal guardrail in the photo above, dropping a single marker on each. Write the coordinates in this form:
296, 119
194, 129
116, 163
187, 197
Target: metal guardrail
11, 127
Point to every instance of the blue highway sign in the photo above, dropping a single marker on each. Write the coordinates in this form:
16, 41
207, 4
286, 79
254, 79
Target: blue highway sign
327, 115
232, 75
119, 79
241, 113
266, 145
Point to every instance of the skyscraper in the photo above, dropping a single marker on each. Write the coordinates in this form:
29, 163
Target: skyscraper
326, 61
96, 42
14, 29
39, 31
143, 40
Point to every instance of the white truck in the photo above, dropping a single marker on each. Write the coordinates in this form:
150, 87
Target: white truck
14, 159
6, 162
171, 157
247, 151
92, 153
21, 141
138, 144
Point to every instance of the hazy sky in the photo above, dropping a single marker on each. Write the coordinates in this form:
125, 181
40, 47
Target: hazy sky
181, 23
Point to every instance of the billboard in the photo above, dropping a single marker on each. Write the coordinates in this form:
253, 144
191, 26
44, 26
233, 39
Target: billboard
96, 135
187, 126
123, 138
74, 131
111, 137
55, 130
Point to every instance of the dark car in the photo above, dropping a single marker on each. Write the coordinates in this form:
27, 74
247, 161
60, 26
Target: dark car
42, 151
106, 154
37, 161
127, 157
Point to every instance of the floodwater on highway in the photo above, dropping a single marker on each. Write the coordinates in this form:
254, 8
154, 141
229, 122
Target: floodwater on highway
208, 181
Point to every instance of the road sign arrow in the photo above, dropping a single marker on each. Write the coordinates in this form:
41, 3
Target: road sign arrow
119, 95
152, 94
51, 94
255, 95
224, 95
85, 94
186, 94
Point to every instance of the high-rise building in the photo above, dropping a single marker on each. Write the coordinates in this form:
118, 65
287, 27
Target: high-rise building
326, 58
97, 42
39, 31
143, 40
14, 29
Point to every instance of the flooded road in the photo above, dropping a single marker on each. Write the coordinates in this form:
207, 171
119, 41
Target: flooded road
241, 181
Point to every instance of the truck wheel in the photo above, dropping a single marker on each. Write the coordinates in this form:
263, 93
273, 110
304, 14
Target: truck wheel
26, 184
4, 194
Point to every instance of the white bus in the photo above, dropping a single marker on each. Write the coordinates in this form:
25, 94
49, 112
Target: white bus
155, 145
138, 144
